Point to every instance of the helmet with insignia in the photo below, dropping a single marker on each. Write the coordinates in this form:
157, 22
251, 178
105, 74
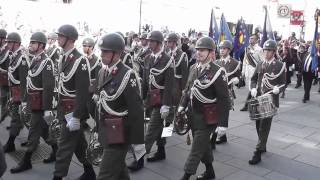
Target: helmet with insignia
205, 43
173, 37
112, 42
88, 42
39, 37
155, 36
68, 31
3, 33
270, 45
144, 35
53, 36
226, 44
13, 37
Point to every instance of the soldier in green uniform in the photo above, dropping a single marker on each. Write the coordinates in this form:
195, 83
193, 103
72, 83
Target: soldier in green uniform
40, 85
126, 55
144, 51
74, 80
17, 71
207, 99
232, 68
157, 86
4, 63
269, 76
120, 109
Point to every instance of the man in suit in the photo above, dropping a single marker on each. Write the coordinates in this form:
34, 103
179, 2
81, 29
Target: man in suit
269, 76
307, 76
74, 80
207, 99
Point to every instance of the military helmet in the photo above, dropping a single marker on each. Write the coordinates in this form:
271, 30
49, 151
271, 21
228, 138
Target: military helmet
68, 31
53, 36
270, 45
172, 37
3, 33
155, 36
144, 35
88, 42
205, 43
120, 33
112, 42
13, 37
39, 37
226, 44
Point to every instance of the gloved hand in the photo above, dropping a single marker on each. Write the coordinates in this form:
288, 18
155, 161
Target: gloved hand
221, 131
54, 102
275, 90
48, 116
180, 109
73, 124
235, 80
95, 98
254, 92
23, 105
164, 111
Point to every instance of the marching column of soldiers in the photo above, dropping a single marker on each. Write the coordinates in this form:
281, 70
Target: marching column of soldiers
63, 88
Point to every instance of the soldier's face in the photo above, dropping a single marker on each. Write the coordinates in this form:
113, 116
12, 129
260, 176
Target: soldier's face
154, 46
10, 45
109, 57
144, 42
171, 44
33, 47
51, 41
252, 41
224, 52
268, 54
61, 40
203, 55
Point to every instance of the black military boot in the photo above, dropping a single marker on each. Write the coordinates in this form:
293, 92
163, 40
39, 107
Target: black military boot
57, 178
213, 141
283, 94
159, 155
136, 165
52, 156
208, 174
24, 165
9, 146
88, 174
256, 158
222, 139
245, 107
186, 176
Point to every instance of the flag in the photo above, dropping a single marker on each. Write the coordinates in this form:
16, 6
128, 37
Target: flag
315, 47
241, 39
213, 29
225, 33
267, 32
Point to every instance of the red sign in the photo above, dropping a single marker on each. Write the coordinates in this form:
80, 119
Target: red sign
296, 17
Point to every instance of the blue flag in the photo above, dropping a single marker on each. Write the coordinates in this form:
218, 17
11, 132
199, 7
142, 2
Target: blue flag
241, 39
267, 32
314, 48
225, 33
213, 29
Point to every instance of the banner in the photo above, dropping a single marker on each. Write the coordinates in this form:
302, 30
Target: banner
296, 17
284, 10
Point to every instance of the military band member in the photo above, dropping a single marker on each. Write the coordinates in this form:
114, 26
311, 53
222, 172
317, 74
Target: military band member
40, 85
232, 68
74, 80
126, 55
207, 99
120, 109
269, 76
158, 84
4, 63
143, 52
17, 72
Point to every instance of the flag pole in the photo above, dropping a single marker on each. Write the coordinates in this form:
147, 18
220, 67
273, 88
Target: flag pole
140, 16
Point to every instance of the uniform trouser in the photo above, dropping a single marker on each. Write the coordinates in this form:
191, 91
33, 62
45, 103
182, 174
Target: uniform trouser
113, 166
154, 130
69, 142
263, 128
200, 150
3, 99
38, 128
16, 124
307, 83
92, 108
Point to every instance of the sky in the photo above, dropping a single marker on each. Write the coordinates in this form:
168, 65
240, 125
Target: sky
177, 15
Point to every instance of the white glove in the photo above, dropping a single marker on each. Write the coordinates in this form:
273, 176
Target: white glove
73, 124
235, 80
180, 109
23, 104
48, 116
254, 92
54, 102
221, 131
95, 98
275, 90
164, 111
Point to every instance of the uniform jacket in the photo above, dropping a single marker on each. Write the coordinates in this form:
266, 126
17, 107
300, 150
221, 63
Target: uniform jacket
140, 59
4, 61
95, 66
232, 68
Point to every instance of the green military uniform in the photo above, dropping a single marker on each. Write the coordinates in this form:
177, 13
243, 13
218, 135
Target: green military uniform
140, 59
4, 89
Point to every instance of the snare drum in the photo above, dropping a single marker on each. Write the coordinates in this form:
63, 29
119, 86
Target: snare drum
261, 107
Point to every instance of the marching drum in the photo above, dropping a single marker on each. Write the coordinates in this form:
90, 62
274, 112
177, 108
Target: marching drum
261, 107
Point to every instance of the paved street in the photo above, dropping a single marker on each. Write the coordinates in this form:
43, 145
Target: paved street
293, 150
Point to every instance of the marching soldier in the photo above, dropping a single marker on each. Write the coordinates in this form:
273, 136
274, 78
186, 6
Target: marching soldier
40, 85
120, 109
207, 99
4, 63
72, 105
17, 71
269, 76
143, 52
53, 51
301, 55
158, 83
232, 68
126, 56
